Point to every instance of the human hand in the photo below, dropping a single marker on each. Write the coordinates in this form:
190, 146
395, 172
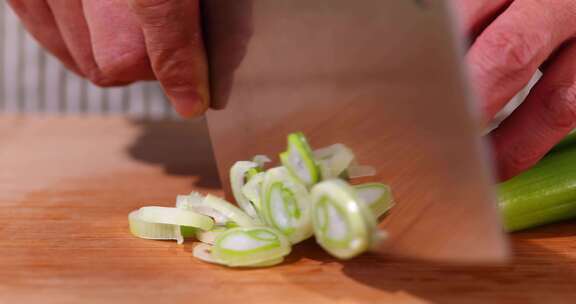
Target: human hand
511, 40
116, 42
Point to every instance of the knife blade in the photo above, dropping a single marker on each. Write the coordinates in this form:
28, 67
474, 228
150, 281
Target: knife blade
383, 77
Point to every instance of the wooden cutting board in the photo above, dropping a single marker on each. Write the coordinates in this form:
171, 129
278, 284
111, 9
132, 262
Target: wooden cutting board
67, 185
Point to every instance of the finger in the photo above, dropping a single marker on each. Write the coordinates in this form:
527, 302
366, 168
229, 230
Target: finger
174, 43
475, 15
547, 116
230, 30
507, 54
117, 40
70, 19
39, 21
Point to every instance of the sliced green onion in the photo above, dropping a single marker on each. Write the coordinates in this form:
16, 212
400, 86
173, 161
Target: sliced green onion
252, 190
358, 171
223, 212
195, 202
544, 194
186, 232
251, 173
261, 160
187, 201
179, 235
329, 151
377, 196
342, 217
268, 263
203, 252
148, 230
230, 211
299, 159
249, 246
155, 231
334, 160
238, 178
219, 218
343, 224
175, 216
286, 204
209, 237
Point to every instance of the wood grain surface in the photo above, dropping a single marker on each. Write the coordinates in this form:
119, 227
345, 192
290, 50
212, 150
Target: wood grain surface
67, 185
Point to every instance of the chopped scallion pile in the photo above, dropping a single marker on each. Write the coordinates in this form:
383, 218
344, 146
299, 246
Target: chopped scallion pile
308, 195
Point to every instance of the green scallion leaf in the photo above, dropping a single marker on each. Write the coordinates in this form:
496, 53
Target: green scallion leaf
544, 194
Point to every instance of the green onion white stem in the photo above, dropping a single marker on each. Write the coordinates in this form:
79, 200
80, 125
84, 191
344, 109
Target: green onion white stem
195, 202
233, 213
238, 178
175, 216
248, 246
334, 160
252, 191
299, 160
343, 224
358, 171
261, 160
154, 231
209, 237
377, 196
286, 204
150, 227
190, 200
203, 252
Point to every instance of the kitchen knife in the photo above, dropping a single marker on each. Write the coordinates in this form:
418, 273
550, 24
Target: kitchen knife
383, 77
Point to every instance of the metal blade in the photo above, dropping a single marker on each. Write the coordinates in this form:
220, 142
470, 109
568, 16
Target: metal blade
383, 77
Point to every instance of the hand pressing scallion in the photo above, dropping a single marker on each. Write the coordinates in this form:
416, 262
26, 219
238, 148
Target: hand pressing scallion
308, 195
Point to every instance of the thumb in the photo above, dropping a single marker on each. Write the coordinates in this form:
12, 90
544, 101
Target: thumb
174, 44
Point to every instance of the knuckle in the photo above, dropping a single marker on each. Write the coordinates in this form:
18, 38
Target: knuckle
165, 16
127, 65
173, 69
98, 79
154, 11
150, 4
512, 50
559, 107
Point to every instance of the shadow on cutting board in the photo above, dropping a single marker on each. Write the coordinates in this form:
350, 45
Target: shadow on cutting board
543, 271
182, 148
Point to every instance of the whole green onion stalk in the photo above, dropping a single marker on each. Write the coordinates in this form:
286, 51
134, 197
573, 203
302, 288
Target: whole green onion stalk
544, 194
